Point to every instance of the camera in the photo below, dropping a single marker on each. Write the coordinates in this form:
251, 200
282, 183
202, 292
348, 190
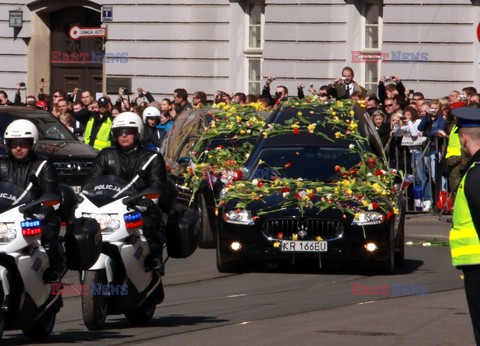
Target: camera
311, 85
274, 78
463, 97
126, 91
22, 84
388, 78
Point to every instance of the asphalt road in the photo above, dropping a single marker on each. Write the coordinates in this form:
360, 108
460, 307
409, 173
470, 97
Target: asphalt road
305, 306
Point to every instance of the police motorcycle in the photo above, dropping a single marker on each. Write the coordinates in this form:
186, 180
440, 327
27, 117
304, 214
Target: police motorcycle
120, 281
26, 298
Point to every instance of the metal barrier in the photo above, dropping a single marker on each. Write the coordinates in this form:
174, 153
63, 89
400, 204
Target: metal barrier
426, 165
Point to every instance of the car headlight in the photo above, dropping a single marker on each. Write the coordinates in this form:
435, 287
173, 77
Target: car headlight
7, 232
364, 218
108, 222
240, 217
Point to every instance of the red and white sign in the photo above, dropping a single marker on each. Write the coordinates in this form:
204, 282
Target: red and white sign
77, 32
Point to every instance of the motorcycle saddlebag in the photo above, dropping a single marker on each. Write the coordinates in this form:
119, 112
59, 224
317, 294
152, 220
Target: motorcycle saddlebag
83, 243
183, 232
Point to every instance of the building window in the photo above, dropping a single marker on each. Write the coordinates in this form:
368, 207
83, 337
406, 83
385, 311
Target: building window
255, 23
372, 13
254, 75
255, 10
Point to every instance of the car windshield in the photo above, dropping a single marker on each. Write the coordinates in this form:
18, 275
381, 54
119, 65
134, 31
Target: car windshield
309, 163
48, 126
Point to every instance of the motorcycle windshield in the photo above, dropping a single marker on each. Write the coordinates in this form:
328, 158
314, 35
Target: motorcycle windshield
9, 195
106, 189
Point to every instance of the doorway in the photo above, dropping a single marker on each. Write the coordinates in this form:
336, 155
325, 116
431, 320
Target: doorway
67, 72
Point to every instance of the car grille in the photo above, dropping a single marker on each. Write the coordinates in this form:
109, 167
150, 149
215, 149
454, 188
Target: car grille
305, 229
73, 167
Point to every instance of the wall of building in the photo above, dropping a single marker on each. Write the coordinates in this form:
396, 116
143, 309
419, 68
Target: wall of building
199, 44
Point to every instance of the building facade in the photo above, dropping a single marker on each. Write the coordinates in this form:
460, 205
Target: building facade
431, 45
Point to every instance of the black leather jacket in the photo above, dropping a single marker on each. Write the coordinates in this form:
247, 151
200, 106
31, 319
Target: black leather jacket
127, 163
20, 172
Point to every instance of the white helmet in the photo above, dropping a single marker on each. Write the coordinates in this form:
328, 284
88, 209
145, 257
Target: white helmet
128, 119
21, 128
151, 112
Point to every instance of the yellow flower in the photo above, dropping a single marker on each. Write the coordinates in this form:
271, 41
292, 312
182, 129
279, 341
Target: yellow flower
261, 162
365, 202
353, 125
318, 189
311, 128
242, 132
299, 113
357, 215
339, 104
294, 236
395, 211
239, 118
352, 113
309, 191
338, 134
318, 238
311, 112
295, 126
276, 244
348, 192
264, 133
336, 120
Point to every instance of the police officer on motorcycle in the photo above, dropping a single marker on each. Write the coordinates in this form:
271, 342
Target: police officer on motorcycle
125, 159
39, 177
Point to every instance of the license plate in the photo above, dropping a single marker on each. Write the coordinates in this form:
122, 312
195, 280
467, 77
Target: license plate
303, 246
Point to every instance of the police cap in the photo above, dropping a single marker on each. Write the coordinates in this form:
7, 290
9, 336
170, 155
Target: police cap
467, 116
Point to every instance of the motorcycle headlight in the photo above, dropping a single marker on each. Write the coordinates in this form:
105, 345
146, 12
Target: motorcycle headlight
7, 232
240, 217
365, 218
108, 222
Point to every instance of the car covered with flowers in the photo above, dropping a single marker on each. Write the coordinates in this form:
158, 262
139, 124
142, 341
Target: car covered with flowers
315, 187
205, 150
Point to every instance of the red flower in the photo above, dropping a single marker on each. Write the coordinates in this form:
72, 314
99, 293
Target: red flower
296, 131
338, 168
378, 172
285, 189
297, 195
220, 147
360, 196
256, 217
287, 165
374, 205
353, 171
279, 235
273, 177
371, 160
260, 184
389, 215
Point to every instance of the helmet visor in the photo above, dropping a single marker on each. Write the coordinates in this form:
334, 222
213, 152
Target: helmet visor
19, 142
125, 131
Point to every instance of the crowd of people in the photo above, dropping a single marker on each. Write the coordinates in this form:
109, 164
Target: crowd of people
419, 135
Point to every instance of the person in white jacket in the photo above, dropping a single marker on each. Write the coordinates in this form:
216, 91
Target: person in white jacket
413, 138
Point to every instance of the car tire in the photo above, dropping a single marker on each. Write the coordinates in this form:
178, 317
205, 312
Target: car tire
400, 241
207, 240
388, 266
222, 265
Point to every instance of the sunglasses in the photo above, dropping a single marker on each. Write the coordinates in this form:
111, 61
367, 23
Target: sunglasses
389, 105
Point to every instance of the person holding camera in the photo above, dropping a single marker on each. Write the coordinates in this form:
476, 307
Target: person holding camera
432, 126
281, 92
344, 87
390, 90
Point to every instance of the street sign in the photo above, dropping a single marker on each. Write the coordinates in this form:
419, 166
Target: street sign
107, 14
77, 32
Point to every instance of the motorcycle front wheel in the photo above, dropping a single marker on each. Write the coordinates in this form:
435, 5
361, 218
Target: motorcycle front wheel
94, 306
41, 329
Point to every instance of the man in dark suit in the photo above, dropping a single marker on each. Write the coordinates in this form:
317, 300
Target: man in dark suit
343, 88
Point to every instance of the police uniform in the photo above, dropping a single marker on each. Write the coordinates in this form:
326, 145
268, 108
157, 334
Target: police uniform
465, 232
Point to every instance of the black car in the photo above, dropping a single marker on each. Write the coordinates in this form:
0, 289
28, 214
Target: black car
71, 158
264, 230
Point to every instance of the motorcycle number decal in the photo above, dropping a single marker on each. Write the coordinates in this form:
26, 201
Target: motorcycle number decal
36, 265
138, 253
